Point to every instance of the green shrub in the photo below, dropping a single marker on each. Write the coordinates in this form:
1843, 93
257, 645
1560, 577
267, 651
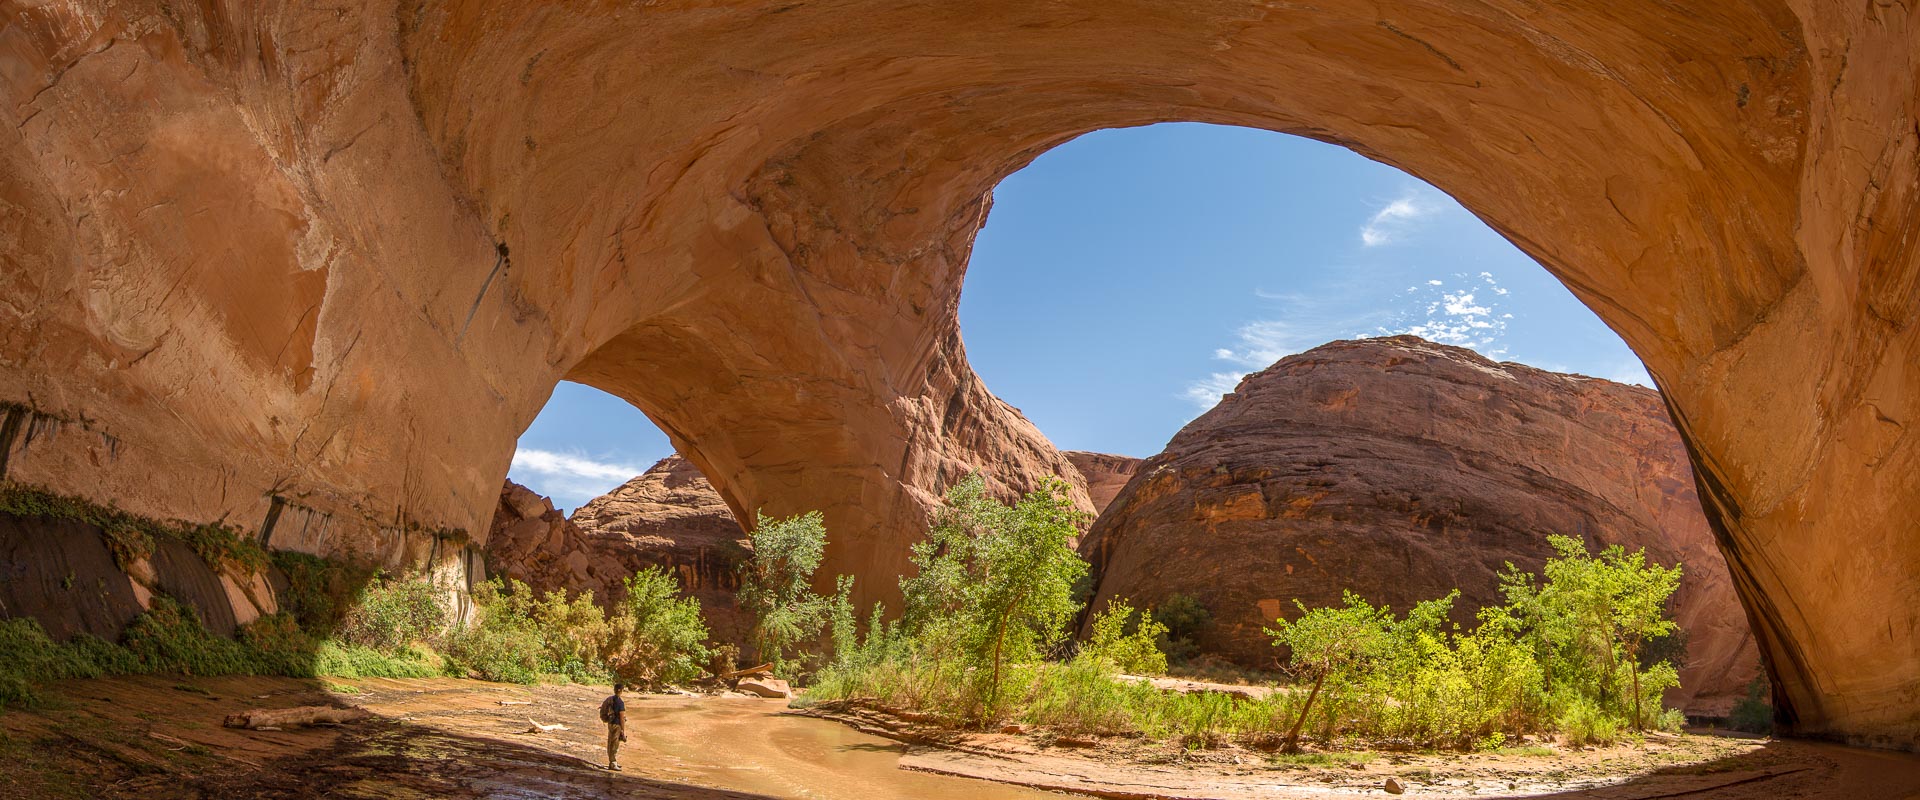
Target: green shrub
1127, 639
1185, 618
1753, 713
993, 585
320, 591
393, 613
279, 646
657, 637
169, 638
1081, 697
336, 660
31, 657
1583, 721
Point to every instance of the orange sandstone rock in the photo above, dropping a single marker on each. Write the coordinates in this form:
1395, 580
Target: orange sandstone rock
1401, 469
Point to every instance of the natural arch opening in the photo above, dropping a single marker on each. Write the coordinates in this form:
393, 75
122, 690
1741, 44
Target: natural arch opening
584, 444
1126, 280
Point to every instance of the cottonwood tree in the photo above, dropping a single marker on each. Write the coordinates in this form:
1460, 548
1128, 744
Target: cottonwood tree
995, 582
1335, 644
1593, 617
776, 587
656, 635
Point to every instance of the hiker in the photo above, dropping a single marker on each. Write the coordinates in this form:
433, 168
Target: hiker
613, 711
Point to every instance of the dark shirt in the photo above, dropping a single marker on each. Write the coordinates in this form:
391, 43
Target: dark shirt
618, 707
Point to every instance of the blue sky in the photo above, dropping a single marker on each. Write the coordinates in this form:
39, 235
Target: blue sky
1128, 278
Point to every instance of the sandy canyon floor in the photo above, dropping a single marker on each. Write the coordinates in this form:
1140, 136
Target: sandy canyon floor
162, 738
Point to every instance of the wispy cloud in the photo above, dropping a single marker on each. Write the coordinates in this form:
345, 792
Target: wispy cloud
1262, 342
1304, 321
1399, 217
570, 479
1464, 310
1206, 392
1466, 314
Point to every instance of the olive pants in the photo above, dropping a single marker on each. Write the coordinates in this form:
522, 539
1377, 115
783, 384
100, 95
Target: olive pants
614, 732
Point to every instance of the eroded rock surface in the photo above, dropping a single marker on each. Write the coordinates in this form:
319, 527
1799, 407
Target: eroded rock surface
1105, 474
1400, 469
668, 516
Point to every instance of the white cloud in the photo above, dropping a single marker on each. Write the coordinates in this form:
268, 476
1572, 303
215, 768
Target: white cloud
1206, 392
1396, 219
1262, 342
1459, 317
571, 480
1305, 321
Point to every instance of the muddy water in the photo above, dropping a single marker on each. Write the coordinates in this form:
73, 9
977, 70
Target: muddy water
745, 745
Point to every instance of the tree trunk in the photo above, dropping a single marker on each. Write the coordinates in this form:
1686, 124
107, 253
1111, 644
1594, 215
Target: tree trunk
290, 717
1293, 736
1633, 665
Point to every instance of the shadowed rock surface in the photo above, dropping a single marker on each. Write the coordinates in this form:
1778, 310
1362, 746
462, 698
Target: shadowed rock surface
61, 574
1399, 469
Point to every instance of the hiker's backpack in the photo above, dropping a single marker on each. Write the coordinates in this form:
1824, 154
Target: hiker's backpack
606, 711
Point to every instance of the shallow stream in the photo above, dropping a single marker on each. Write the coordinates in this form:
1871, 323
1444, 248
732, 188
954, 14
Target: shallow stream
739, 745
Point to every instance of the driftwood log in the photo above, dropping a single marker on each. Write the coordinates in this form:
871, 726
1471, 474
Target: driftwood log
288, 717
763, 669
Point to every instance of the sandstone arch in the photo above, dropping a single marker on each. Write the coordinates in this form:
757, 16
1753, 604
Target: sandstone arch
330, 261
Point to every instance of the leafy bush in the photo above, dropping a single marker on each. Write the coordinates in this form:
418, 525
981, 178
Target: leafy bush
994, 585
520, 636
319, 591
1753, 713
1127, 639
1570, 654
1185, 619
1583, 721
31, 657
395, 613
658, 637
1337, 644
169, 638
333, 659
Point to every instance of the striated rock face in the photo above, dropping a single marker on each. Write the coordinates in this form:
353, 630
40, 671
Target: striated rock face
1105, 474
1400, 469
312, 269
667, 517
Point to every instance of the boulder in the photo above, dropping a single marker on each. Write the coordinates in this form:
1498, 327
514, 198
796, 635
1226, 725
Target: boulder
764, 687
1400, 469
